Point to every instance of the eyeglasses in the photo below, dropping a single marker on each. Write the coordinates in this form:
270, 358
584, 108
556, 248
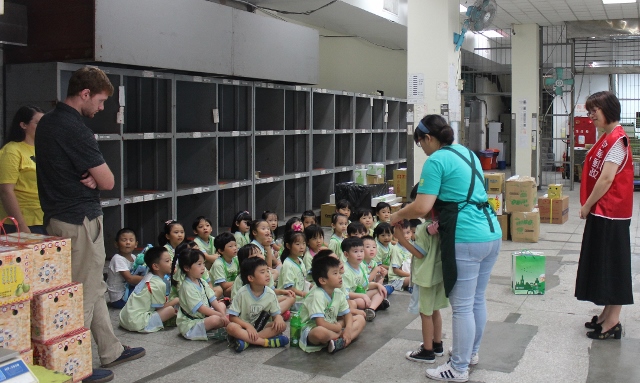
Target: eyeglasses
592, 112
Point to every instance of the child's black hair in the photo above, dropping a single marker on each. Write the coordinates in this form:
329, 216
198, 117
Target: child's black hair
308, 213
414, 222
403, 224
185, 245
356, 227
343, 204
382, 205
153, 255
249, 266
162, 237
186, 258
222, 239
414, 192
254, 227
125, 230
382, 228
245, 252
290, 238
367, 238
239, 217
321, 264
313, 231
289, 223
334, 218
351, 242
362, 212
196, 222
267, 213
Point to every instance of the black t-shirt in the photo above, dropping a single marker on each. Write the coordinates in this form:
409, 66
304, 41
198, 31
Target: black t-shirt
65, 150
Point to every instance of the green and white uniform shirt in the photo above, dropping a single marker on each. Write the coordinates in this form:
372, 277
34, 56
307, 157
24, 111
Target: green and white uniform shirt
426, 272
398, 258
221, 271
307, 259
383, 256
247, 306
242, 239
206, 247
335, 244
293, 274
355, 280
371, 265
192, 296
148, 296
319, 304
237, 284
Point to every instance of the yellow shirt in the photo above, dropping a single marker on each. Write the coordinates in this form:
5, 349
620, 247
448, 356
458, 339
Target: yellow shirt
18, 167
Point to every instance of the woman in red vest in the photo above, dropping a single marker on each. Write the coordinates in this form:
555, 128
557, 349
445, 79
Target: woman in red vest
606, 196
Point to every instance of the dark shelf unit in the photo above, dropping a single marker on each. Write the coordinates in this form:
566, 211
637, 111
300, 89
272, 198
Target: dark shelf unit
377, 147
196, 105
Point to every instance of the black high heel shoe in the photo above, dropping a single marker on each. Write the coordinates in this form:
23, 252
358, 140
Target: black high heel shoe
615, 332
593, 325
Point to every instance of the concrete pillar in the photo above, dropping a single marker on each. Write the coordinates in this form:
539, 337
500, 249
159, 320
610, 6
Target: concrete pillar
525, 101
430, 52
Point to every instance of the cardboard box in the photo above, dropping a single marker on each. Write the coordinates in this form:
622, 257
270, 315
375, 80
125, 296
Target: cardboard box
504, 225
376, 169
15, 334
528, 273
326, 211
51, 259
495, 200
361, 176
16, 271
27, 356
521, 194
400, 182
69, 354
555, 191
56, 311
494, 183
554, 210
396, 206
525, 226
388, 198
375, 180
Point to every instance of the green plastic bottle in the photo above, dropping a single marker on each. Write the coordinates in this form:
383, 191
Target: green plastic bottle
296, 329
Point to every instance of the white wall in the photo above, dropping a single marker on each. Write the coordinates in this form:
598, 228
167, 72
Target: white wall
495, 107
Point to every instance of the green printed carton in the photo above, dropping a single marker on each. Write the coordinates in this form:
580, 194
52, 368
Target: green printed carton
528, 273
521, 194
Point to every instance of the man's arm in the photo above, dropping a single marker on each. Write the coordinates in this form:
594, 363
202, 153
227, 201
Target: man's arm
102, 176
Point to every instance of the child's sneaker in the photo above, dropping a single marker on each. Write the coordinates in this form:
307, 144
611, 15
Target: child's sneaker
336, 345
390, 289
369, 315
446, 373
276, 341
475, 359
240, 345
286, 315
421, 355
384, 305
409, 289
438, 348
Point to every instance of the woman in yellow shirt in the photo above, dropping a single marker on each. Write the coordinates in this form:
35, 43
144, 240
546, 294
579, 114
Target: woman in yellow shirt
18, 185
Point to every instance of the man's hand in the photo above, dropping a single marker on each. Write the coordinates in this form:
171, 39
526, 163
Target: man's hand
88, 181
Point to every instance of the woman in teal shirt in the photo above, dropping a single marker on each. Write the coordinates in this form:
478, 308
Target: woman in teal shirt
452, 183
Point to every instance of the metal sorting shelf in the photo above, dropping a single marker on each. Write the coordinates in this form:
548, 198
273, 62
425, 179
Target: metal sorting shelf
181, 146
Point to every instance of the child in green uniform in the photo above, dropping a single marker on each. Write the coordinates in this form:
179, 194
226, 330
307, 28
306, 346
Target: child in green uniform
197, 316
376, 273
260, 234
315, 242
148, 306
383, 213
240, 228
171, 236
293, 273
364, 216
398, 277
226, 267
383, 233
325, 314
356, 229
367, 296
344, 207
308, 218
252, 307
339, 223
202, 228
428, 290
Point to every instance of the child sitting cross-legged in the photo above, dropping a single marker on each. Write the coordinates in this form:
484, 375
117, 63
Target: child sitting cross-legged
368, 296
226, 267
120, 277
252, 307
294, 273
147, 307
325, 313
199, 313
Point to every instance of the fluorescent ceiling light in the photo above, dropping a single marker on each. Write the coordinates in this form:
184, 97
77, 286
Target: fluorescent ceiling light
491, 33
463, 9
618, 1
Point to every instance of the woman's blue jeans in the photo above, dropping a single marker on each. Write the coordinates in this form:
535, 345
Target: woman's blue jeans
474, 262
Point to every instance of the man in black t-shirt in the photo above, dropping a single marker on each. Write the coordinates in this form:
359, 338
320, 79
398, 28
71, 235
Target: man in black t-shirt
71, 172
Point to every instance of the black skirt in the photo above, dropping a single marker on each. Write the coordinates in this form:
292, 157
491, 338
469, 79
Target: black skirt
604, 270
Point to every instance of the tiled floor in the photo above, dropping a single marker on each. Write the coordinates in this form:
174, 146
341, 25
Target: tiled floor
528, 338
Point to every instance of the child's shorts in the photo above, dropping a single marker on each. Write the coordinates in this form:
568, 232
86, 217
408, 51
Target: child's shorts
304, 345
154, 324
432, 298
397, 284
414, 301
197, 332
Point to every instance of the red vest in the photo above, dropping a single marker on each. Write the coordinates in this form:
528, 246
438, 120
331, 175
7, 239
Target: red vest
617, 202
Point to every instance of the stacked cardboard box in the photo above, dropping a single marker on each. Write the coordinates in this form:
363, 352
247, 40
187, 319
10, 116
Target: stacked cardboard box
57, 339
520, 201
494, 185
554, 207
400, 182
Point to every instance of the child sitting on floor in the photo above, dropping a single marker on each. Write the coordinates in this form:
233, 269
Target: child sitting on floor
148, 307
252, 307
325, 312
240, 228
356, 229
226, 267
202, 228
293, 273
339, 223
400, 263
308, 218
120, 280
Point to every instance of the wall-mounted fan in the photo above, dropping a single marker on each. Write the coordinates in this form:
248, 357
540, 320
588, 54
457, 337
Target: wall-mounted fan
479, 17
558, 81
